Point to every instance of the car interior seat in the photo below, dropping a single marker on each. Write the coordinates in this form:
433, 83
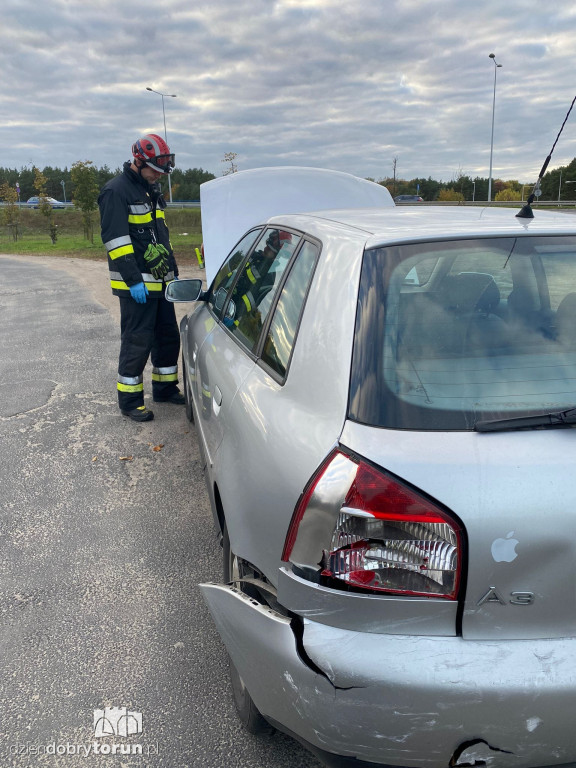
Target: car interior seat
529, 321
566, 321
471, 300
458, 318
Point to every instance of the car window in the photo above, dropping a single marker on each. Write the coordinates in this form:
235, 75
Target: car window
282, 331
489, 336
559, 271
227, 273
257, 284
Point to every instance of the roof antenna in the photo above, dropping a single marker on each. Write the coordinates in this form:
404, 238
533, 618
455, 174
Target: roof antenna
526, 211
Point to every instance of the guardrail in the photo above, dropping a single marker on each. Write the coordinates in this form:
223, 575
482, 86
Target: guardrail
175, 204
35, 205
477, 204
496, 204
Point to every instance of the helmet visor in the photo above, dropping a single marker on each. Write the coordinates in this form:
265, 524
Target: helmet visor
162, 163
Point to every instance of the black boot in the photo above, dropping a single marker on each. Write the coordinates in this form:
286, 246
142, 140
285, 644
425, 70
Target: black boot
177, 398
139, 414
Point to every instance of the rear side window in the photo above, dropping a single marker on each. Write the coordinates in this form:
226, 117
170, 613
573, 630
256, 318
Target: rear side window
559, 271
282, 331
227, 272
490, 334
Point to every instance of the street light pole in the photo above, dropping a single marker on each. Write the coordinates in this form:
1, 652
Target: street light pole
171, 96
473, 191
496, 66
63, 188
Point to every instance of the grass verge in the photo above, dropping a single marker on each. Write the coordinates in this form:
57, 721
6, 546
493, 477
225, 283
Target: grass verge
34, 237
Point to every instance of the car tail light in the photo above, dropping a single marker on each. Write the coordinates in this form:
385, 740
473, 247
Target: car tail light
359, 527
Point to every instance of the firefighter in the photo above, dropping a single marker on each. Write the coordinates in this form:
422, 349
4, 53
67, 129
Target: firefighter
141, 262
255, 274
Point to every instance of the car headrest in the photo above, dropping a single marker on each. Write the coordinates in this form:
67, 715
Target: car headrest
472, 292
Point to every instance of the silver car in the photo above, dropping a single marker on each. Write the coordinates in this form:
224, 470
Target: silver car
384, 400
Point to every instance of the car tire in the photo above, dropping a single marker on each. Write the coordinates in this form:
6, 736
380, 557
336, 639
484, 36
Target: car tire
187, 394
249, 714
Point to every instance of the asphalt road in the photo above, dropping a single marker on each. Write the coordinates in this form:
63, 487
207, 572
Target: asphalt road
105, 533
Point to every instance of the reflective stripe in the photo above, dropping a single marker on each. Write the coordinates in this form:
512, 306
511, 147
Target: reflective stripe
252, 272
248, 300
117, 242
148, 278
151, 140
169, 369
140, 208
121, 286
117, 252
130, 387
165, 377
130, 379
160, 214
143, 219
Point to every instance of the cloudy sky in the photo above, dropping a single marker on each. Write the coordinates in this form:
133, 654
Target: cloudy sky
342, 84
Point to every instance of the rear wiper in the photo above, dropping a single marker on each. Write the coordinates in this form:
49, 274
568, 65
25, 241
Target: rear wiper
554, 419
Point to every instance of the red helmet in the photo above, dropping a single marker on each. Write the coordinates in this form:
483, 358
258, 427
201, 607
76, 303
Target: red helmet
154, 151
277, 238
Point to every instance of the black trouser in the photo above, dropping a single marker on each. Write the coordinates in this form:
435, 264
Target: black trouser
147, 329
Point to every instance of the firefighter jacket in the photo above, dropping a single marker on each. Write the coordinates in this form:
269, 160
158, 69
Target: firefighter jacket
253, 280
132, 217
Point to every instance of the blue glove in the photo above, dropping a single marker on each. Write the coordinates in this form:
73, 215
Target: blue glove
139, 293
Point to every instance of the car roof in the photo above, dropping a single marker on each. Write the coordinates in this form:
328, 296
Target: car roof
385, 225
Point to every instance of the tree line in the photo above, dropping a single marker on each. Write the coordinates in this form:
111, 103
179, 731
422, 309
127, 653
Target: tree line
462, 188
61, 186
557, 184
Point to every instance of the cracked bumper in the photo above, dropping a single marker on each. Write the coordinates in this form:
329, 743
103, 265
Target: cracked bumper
400, 700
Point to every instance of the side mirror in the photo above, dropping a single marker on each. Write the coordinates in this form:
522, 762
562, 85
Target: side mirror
184, 290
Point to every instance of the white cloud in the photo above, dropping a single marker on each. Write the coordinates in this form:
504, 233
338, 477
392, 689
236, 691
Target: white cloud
312, 82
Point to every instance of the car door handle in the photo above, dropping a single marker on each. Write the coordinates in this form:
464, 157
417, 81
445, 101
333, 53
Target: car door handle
217, 396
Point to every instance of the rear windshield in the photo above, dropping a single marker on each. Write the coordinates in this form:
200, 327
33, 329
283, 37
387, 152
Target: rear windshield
449, 333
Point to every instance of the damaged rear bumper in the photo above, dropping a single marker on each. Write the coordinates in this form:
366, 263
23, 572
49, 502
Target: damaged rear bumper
401, 700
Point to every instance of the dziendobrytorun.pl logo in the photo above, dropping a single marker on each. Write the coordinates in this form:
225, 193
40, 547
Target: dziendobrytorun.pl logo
108, 722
